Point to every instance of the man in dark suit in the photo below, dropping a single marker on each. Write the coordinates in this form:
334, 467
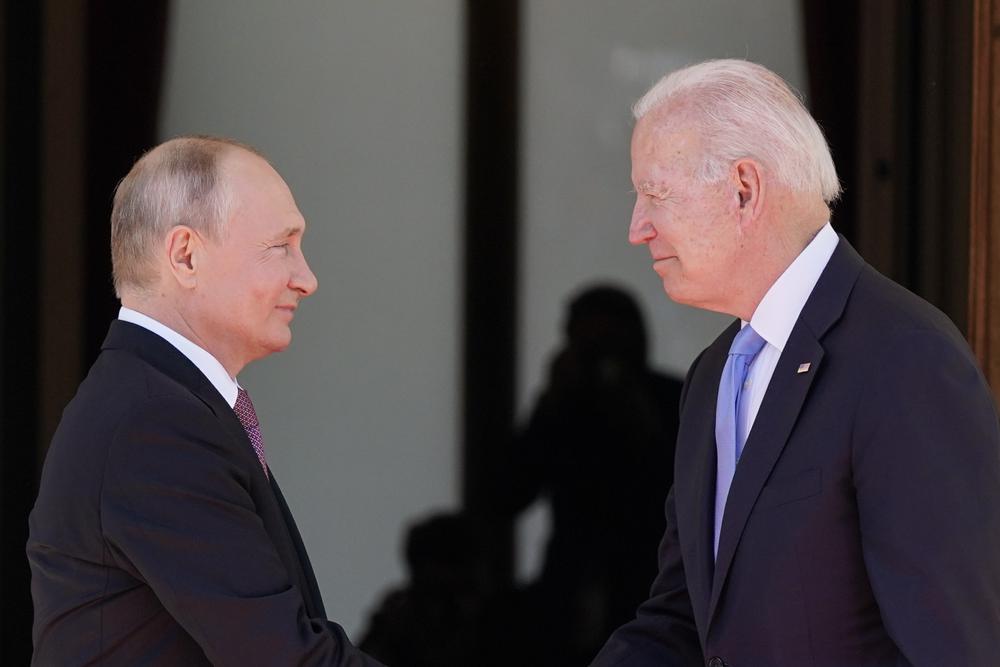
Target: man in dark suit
159, 536
837, 496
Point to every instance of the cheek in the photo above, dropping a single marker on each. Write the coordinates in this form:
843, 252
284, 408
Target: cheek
703, 250
268, 284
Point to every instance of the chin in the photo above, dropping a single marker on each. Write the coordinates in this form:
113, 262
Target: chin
701, 302
278, 342
676, 294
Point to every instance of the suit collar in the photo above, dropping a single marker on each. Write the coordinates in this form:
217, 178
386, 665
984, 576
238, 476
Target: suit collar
167, 359
829, 298
779, 409
776, 314
210, 367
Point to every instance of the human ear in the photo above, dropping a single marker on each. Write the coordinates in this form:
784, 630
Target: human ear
184, 248
749, 184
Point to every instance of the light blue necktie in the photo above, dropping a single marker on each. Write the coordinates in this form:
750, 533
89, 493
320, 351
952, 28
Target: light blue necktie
729, 439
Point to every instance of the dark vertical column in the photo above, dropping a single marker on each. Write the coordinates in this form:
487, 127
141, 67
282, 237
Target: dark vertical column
831, 36
908, 191
491, 212
19, 275
125, 53
942, 155
43, 164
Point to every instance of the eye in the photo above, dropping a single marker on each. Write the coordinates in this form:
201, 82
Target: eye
663, 197
281, 246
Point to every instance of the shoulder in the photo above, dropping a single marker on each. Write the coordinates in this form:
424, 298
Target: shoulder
911, 361
121, 387
124, 397
887, 304
884, 321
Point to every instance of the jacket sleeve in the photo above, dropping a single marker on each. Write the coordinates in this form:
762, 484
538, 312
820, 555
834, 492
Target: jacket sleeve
926, 465
177, 514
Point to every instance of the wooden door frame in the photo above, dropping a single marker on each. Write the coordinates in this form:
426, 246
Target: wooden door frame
984, 217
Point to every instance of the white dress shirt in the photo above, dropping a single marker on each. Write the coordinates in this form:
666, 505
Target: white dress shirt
779, 310
210, 367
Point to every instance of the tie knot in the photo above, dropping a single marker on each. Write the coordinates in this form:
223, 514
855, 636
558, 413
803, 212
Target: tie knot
747, 342
244, 410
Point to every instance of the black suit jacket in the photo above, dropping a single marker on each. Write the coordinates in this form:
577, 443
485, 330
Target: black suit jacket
157, 539
863, 523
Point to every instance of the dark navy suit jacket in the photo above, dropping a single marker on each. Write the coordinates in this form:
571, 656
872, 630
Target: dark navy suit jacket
863, 523
157, 539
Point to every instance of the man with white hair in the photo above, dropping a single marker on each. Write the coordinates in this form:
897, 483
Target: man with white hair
837, 487
159, 536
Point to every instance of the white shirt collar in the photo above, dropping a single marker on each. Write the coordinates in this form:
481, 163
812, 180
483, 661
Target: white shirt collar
206, 363
779, 309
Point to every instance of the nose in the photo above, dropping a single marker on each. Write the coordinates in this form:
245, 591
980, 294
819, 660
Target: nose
303, 280
640, 230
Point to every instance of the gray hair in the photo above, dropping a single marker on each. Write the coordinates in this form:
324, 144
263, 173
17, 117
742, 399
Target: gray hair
178, 182
741, 109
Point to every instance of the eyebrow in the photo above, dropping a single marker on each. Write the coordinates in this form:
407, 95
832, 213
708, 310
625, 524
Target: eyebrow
646, 187
290, 231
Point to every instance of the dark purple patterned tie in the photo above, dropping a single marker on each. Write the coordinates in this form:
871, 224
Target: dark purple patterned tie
248, 417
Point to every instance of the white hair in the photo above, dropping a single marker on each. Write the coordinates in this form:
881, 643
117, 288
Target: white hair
740, 110
178, 182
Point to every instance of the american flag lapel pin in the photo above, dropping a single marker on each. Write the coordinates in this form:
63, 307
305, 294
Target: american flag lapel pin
804, 368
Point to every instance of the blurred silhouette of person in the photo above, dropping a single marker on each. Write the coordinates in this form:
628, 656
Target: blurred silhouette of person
437, 619
599, 447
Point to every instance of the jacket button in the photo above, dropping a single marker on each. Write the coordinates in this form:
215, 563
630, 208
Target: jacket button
716, 662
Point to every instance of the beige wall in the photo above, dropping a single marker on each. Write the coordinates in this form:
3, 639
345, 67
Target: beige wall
358, 105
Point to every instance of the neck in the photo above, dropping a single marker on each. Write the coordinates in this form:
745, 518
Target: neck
776, 249
170, 314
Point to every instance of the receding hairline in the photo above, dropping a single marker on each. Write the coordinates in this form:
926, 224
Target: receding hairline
218, 149
220, 143
670, 119
671, 115
224, 154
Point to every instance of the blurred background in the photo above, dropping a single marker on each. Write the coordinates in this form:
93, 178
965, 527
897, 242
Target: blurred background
463, 169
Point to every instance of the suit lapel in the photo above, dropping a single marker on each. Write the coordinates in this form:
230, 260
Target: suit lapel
695, 475
779, 411
271, 506
307, 578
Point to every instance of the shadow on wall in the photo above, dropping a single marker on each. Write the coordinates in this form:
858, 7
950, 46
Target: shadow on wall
599, 448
